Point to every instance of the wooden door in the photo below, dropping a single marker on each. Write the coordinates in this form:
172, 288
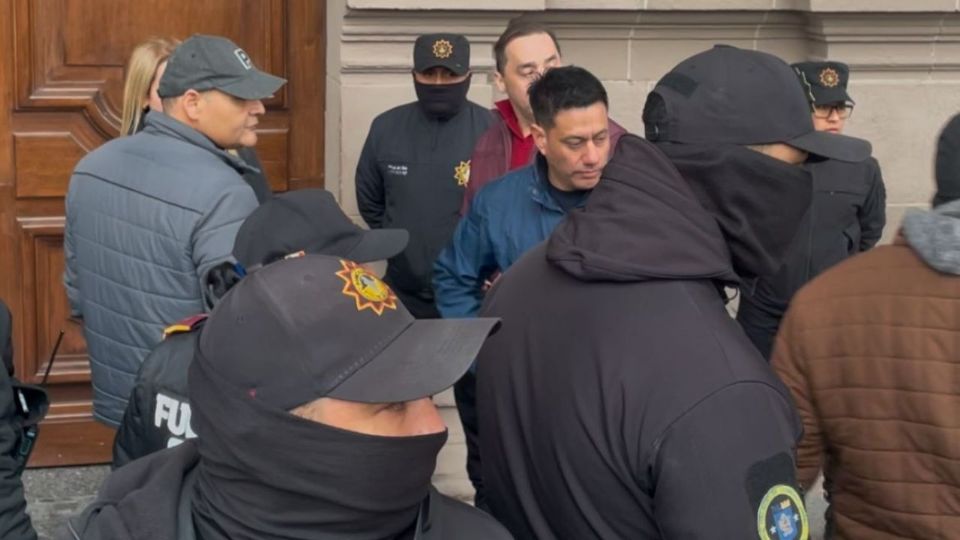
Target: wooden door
61, 76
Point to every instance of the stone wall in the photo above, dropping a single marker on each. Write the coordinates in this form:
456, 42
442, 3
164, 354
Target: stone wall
904, 58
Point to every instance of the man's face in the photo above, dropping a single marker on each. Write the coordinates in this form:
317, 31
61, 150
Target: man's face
439, 75
528, 58
782, 152
831, 117
576, 147
228, 121
404, 419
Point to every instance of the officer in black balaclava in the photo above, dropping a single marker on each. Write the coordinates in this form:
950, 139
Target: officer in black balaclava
311, 390
415, 164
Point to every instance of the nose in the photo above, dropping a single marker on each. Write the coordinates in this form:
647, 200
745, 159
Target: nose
425, 417
257, 108
834, 114
591, 154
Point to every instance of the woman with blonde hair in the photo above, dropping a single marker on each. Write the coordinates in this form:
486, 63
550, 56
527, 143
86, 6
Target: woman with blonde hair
144, 71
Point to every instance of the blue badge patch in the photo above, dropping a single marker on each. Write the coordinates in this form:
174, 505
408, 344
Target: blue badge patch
782, 516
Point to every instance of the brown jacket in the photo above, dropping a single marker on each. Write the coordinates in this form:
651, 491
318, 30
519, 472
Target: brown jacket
871, 353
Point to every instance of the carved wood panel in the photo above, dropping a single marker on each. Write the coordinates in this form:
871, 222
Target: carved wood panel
61, 73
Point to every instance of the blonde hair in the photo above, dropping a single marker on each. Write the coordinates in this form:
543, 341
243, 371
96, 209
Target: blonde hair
140, 72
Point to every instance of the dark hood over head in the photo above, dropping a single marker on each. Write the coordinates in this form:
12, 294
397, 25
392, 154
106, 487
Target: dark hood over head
728, 214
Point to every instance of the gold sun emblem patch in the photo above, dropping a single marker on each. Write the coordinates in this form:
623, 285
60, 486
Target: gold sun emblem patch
829, 77
462, 173
367, 290
442, 48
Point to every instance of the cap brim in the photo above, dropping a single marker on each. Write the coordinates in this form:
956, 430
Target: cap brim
379, 244
827, 96
457, 69
833, 146
425, 359
256, 85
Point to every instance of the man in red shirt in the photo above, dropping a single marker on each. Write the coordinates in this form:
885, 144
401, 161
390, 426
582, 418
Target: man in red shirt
524, 51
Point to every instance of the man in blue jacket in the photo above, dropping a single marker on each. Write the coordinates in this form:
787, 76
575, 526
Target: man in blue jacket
518, 211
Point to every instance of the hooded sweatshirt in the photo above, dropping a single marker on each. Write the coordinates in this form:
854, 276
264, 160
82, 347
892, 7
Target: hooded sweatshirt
619, 400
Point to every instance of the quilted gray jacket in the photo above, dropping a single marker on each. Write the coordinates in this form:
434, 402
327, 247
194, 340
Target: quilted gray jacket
147, 216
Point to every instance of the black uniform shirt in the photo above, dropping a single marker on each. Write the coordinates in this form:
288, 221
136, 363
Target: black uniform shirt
412, 174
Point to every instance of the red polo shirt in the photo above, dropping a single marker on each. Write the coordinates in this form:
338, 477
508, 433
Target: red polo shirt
521, 148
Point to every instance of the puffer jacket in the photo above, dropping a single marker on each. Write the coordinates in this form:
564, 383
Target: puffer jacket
870, 353
147, 216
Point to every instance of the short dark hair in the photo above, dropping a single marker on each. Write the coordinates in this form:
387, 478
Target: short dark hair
562, 88
518, 28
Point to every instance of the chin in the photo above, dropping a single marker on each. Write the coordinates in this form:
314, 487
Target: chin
586, 183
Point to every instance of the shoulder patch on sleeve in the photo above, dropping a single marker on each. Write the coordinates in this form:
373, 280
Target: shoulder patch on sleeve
185, 325
781, 514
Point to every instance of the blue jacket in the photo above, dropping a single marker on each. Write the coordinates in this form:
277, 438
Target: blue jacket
506, 218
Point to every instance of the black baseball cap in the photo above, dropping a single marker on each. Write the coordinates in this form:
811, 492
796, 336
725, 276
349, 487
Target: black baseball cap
310, 220
728, 95
451, 51
215, 63
320, 326
824, 82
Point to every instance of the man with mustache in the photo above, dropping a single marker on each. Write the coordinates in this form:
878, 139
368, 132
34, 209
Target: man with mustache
147, 216
572, 135
415, 164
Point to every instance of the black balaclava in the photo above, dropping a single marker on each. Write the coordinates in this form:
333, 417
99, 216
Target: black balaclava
442, 101
758, 201
267, 474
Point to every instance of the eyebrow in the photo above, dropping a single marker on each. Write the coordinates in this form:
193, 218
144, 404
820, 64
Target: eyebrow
534, 64
572, 138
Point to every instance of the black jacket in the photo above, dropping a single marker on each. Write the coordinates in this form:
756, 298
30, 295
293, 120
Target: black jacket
412, 175
158, 412
150, 499
17, 434
618, 399
846, 216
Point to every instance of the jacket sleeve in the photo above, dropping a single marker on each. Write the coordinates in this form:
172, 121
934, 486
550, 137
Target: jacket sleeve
719, 465
788, 363
873, 213
70, 258
462, 267
127, 444
216, 232
371, 198
14, 522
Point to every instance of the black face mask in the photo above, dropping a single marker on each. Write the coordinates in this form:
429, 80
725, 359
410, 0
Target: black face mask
442, 101
267, 474
757, 200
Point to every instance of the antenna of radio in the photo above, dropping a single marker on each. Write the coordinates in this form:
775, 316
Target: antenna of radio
53, 355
